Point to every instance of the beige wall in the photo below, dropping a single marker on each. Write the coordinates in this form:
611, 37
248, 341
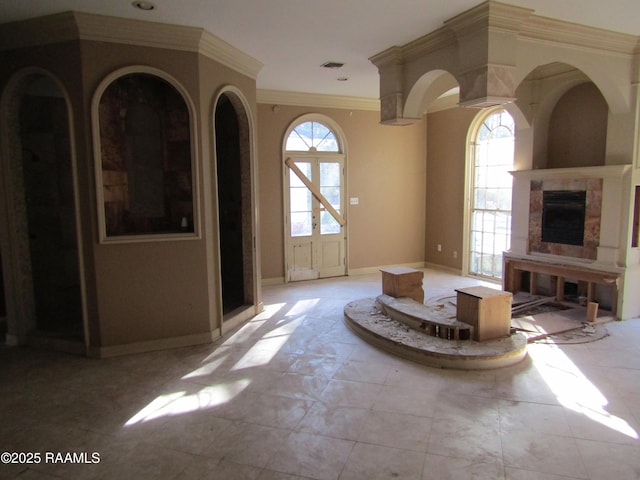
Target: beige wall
446, 159
145, 294
385, 170
141, 286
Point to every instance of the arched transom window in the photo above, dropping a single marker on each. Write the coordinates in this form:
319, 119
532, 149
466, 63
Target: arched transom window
312, 136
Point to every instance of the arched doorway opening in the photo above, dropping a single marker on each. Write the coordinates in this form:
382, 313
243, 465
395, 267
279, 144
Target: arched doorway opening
40, 246
235, 212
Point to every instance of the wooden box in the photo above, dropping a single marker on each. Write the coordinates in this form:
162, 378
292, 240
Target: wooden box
487, 310
403, 282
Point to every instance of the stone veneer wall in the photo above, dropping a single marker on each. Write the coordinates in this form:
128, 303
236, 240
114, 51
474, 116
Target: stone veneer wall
593, 211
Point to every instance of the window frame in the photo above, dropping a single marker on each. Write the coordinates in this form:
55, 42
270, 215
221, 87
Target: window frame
472, 155
103, 235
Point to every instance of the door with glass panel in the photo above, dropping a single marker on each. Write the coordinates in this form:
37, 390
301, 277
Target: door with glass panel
315, 220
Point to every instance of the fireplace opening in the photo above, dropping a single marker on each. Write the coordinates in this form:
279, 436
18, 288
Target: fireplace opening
563, 214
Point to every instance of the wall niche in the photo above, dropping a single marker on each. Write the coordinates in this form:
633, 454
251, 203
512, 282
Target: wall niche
578, 129
146, 159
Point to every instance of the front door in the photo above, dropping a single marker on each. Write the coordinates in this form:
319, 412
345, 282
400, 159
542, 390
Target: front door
315, 222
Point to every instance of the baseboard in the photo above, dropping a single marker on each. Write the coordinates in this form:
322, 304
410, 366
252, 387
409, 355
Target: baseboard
239, 316
153, 345
435, 266
266, 282
370, 270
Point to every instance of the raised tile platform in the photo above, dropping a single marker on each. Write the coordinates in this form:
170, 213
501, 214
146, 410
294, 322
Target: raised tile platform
366, 319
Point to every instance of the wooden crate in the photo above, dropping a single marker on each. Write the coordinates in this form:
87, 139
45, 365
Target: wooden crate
403, 282
487, 310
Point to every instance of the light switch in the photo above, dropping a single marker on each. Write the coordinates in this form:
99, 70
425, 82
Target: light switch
354, 201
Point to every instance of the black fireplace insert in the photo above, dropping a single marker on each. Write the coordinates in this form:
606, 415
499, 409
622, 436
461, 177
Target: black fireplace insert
563, 213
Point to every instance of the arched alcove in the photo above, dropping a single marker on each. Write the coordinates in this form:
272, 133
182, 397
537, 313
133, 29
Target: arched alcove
145, 175
540, 96
40, 244
578, 128
234, 179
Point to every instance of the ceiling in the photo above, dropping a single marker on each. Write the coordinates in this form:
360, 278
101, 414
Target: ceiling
292, 38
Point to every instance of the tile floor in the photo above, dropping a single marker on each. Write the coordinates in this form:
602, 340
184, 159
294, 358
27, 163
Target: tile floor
294, 394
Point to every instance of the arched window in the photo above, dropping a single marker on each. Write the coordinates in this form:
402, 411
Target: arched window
491, 183
312, 136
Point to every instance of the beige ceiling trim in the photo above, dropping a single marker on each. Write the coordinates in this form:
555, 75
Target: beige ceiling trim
550, 30
532, 27
280, 97
77, 25
162, 35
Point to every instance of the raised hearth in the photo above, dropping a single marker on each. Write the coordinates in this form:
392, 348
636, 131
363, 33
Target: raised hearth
398, 331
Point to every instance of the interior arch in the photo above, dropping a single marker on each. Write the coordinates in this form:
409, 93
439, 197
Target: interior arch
538, 96
39, 213
426, 90
234, 177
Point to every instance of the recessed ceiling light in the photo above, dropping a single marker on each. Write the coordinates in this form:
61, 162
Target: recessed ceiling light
142, 5
333, 65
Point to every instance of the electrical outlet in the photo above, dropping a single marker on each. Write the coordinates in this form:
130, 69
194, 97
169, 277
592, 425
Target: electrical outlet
439, 247
455, 254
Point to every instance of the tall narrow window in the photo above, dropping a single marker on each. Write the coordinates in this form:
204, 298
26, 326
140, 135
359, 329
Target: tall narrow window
491, 195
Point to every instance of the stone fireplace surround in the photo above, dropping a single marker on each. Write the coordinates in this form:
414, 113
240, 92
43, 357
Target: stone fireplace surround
593, 210
604, 242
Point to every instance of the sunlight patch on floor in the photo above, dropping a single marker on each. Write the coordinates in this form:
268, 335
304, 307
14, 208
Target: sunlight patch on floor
574, 390
302, 306
179, 403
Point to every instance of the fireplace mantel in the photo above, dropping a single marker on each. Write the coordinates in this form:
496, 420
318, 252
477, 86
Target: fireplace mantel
606, 171
605, 249
610, 243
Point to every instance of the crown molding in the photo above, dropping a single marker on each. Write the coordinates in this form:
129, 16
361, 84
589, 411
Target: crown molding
550, 30
301, 99
102, 28
390, 55
490, 14
217, 49
496, 16
437, 40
